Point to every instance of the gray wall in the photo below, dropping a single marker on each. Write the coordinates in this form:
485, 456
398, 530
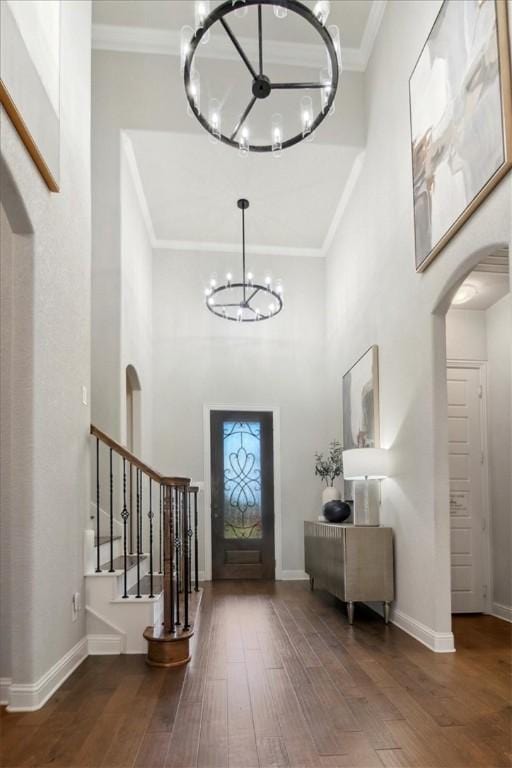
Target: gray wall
47, 363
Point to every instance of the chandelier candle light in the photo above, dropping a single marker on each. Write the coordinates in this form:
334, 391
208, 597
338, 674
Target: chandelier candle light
309, 112
245, 301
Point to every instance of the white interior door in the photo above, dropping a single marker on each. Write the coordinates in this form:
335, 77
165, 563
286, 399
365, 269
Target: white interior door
466, 517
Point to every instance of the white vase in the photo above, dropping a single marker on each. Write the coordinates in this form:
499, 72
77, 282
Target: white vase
330, 494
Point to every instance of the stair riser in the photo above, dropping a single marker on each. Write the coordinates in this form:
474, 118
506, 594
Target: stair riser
131, 576
105, 551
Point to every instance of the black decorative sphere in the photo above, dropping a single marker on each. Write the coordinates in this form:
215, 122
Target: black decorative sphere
336, 511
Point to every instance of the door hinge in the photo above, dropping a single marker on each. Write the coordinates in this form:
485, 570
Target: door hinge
482, 457
484, 590
480, 391
484, 524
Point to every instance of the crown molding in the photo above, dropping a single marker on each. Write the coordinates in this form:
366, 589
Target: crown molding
371, 30
355, 171
253, 250
166, 42
133, 169
202, 246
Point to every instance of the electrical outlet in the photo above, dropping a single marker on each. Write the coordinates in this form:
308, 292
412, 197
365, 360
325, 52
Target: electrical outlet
75, 605
84, 395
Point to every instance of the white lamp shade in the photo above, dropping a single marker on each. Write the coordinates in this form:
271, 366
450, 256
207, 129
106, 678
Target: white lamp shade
361, 463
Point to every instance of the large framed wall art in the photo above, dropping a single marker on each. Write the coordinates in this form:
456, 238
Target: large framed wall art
30, 79
361, 402
461, 119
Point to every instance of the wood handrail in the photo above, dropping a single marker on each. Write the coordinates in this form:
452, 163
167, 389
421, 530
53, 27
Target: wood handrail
126, 454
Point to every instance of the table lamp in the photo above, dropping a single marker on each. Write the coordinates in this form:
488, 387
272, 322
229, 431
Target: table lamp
366, 466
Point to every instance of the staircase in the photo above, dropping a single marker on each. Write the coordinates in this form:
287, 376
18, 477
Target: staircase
143, 535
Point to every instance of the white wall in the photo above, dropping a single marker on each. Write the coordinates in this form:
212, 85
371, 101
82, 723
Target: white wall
136, 303
48, 241
487, 336
145, 92
466, 335
374, 296
499, 343
201, 359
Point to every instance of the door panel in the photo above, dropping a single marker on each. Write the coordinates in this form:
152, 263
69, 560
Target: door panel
242, 495
464, 436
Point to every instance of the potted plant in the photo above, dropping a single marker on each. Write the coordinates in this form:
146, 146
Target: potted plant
328, 468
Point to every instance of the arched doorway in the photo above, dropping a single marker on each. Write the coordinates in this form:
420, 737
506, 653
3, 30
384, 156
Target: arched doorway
133, 410
472, 398
17, 506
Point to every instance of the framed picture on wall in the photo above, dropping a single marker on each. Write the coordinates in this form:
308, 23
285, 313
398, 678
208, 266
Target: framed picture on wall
460, 97
30, 79
361, 402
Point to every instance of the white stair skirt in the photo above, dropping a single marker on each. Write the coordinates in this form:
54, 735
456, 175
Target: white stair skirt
115, 624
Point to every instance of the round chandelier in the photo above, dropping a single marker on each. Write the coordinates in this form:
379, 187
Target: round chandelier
246, 301
270, 131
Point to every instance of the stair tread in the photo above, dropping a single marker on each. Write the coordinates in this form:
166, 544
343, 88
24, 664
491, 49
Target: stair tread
104, 539
145, 586
118, 562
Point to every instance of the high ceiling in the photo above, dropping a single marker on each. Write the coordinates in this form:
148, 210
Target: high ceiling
191, 187
188, 186
350, 15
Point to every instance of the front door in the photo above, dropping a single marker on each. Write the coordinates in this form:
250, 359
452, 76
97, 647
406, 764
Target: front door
465, 461
242, 458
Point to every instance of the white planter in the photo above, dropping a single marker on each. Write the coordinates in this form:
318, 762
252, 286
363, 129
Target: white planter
330, 494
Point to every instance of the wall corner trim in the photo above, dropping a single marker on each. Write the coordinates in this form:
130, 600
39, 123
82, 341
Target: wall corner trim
5, 684
27, 697
500, 611
293, 576
105, 645
440, 642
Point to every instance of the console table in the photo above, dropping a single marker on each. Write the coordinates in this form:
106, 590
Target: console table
354, 563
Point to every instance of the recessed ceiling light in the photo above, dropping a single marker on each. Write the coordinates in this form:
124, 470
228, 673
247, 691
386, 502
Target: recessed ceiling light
466, 292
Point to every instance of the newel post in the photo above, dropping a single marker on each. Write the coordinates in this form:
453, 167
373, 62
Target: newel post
168, 643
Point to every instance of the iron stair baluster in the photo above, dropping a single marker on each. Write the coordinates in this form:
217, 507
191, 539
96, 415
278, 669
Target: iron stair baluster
185, 539
111, 569
150, 515
124, 515
196, 547
98, 569
137, 484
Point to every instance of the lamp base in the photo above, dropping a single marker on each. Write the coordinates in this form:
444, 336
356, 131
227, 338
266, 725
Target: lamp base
366, 502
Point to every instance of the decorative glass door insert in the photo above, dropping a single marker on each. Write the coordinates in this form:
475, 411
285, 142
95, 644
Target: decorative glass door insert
242, 494
242, 480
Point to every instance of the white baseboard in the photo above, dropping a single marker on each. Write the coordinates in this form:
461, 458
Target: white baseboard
5, 684
502, 611
440, 642
284, 576
105, 645
294, 576
26, 697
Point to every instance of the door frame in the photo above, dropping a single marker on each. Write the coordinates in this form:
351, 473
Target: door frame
481, 367
207, 522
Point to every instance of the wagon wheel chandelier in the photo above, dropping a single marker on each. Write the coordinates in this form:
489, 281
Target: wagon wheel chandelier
245, 301
315, 99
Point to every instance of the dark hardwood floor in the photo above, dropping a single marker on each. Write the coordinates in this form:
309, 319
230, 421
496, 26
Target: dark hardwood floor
279, 678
